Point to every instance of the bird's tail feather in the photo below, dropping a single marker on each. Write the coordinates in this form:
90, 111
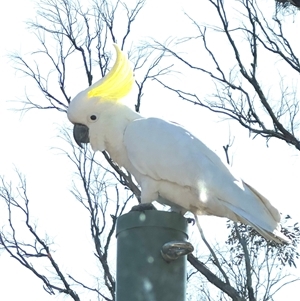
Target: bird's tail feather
272, 210
274, 235
269, 234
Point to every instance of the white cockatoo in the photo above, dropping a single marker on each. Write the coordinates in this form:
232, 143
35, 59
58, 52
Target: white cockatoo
171, 165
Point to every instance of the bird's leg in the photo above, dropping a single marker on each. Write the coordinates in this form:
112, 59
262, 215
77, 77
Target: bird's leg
146, 199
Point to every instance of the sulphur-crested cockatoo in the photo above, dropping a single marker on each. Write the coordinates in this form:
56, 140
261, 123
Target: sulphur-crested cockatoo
170, 164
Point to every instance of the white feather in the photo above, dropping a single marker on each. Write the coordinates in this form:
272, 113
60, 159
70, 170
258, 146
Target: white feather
177, 166
174, 167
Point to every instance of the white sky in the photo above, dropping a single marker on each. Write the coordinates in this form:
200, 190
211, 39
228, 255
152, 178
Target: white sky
27, 141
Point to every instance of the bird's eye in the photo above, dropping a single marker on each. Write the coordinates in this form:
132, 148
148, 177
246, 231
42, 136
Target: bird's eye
93, 117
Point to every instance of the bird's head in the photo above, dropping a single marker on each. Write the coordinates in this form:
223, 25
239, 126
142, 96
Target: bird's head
85, 109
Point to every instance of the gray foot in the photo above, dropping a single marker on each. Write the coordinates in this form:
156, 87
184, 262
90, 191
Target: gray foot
143, 207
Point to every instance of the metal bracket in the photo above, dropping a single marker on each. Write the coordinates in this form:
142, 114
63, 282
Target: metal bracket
170, 251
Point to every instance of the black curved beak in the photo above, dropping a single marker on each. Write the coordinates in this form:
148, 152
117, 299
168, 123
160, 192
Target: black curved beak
81, 134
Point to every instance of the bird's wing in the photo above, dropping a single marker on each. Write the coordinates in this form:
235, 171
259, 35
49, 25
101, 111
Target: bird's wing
166, 151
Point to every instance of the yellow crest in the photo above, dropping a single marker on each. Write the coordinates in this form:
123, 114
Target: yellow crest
117, 83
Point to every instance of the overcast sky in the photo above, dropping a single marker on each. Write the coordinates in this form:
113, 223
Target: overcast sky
27, 140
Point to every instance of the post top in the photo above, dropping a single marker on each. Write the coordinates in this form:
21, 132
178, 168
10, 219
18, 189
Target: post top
152, 218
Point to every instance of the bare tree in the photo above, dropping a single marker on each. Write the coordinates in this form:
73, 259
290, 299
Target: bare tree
284, 4
243, 90
81, 36
36, 251
241, 96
